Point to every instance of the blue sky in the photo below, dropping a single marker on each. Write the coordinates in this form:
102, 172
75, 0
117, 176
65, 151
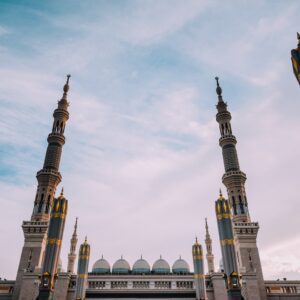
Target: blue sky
141, 166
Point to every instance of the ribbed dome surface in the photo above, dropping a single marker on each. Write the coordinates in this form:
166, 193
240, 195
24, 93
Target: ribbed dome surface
121, 266
101, 266
141, 266
180, 266
161, 266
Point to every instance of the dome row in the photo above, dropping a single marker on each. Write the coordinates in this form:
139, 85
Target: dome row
141, 266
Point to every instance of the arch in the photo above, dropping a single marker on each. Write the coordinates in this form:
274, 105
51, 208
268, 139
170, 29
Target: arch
41, 203
234, 205
48, 204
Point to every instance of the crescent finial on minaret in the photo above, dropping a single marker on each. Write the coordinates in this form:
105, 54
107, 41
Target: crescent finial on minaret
218, 89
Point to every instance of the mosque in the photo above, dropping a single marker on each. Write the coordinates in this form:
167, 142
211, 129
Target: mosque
39, 275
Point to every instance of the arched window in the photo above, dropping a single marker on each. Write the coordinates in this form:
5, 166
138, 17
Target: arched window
234, 205
48, 204
41, 203
241, 204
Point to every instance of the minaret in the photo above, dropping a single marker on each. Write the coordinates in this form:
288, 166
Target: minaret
54, 240
82, 270
72, 254
209, 254
223, 214
245, 231
234, 179
199, 277
48, 178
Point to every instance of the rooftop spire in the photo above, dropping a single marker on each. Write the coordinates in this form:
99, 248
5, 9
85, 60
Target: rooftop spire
62, 191
206, 227
75, 226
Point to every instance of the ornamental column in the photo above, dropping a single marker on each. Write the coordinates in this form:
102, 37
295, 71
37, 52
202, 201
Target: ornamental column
54, 240
199, 277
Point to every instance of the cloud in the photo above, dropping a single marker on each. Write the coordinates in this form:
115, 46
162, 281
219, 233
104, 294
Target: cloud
141, 165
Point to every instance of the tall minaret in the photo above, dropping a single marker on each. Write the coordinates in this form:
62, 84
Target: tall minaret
54, 240
48, 178
209, 254
228, 247
234, 179
245, 231
72, 254
199, 277
82, 270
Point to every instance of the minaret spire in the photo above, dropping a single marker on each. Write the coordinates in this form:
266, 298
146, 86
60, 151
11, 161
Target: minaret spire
72, 254
49, 177
234, 179
244, 231
209, 253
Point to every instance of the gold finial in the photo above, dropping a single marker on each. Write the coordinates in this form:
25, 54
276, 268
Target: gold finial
196, 243
85, 240
220, 194
62, 191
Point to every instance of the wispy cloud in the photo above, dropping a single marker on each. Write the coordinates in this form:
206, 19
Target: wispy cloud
141, 162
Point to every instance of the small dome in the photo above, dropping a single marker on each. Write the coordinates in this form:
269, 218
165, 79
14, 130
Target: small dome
180, 266
121, 266
141, 266
101, 266
161, 266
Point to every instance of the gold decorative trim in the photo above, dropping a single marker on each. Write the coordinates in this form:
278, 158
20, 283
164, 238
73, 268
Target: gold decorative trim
197, 257
227, 242
199, 276
223, 216
54, 242
58, 215
82, 276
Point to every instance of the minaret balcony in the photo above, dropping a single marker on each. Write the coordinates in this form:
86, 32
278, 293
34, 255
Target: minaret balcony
234, 174
227, 139
223, 116
246, 229
56, 138
61, 114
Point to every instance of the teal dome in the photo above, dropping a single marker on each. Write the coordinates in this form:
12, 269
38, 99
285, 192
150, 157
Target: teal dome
121, 266
180, 266
141, 266
101, 266
161, 266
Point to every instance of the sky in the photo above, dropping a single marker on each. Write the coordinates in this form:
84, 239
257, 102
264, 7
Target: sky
141, 166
